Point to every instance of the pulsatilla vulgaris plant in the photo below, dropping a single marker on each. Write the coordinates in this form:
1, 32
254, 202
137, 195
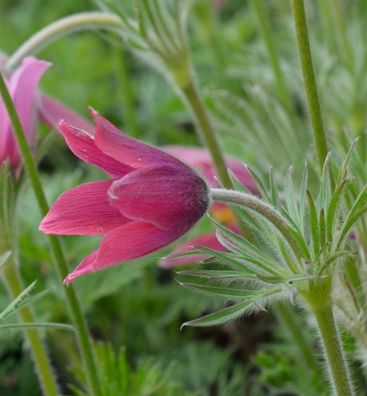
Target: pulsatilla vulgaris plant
295, 247
299, 245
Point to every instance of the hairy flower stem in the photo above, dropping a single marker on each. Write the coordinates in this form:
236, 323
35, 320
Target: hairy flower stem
60, 28
265, 30
317, 295
255, 204
13, 282
312, 96
83, 336
206, 130
339, 372
38, 350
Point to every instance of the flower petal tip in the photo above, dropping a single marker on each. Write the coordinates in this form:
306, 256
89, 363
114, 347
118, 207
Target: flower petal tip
61, 123
94, 113
162, 263
67, 280
71, 277
43, 225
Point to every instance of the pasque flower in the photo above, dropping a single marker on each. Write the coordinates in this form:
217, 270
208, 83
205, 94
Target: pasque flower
23, 88
32, 106
151, 200
201, 160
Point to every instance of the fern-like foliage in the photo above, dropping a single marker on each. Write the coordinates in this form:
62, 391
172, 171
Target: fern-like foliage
295, 244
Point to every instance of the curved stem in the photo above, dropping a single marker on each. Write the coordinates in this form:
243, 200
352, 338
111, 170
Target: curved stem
312, 96
206, 130
38, 350
251, 202
337, 365
60, 28
85, 344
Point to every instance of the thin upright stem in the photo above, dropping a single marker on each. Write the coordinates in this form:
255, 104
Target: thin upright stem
83, 336
334, 352
38, 350
206, 130
265, 30
312, 95
60, 28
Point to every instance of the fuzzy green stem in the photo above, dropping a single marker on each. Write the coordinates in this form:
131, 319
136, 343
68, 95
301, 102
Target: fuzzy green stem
85, 343
265, 30
312, 96
257, 205
337, 365
206, 130
60, 28
40, 358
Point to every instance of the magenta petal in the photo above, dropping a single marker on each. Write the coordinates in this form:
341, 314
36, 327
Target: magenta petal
6, 133
82, 144
23, 89
128, 242
85, 267
127, 150
207, 240
165, 196
52, 111
83, 210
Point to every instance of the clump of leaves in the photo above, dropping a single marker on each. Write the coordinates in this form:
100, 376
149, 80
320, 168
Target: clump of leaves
294, 245
117, 377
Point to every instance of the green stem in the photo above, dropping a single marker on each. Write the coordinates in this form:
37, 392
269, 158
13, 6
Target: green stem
288, 317
126, 93
272, 51
312, 96
60, 28
206, 130
257, 205
339, 373
38, 350
85, 343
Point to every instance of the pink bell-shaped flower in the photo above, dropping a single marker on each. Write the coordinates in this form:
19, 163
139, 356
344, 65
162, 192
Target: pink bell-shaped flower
151, 200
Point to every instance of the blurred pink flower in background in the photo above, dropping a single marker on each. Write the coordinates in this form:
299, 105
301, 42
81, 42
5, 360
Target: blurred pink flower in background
23, 88
52, 111
201, 160
32, 106
151, 200
220, 3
